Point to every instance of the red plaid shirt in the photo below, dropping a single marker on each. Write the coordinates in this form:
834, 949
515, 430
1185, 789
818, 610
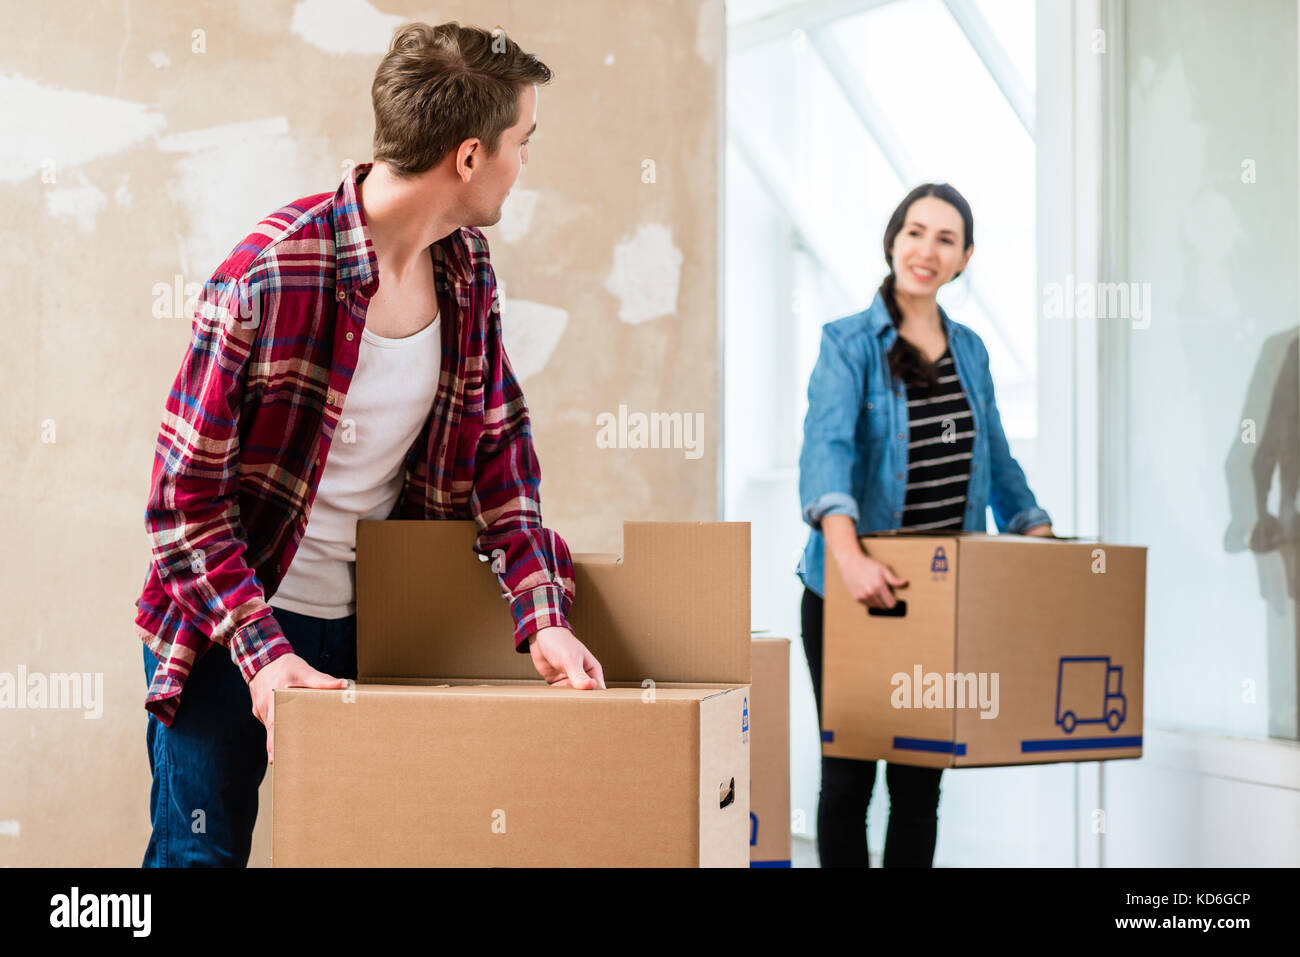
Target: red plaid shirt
247, 427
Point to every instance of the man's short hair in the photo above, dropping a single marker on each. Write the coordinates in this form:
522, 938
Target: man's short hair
438, 86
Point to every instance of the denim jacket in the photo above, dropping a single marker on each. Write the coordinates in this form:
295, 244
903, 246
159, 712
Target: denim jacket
854, 455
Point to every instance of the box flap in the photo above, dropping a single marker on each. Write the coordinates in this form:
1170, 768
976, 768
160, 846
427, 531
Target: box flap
674, 608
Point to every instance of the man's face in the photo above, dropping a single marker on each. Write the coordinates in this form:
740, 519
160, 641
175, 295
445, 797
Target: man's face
495, 177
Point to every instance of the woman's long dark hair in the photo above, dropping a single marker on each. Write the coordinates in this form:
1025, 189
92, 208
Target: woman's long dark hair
906, 362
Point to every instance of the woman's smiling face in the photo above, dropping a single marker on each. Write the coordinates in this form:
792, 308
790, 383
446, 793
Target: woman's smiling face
928, 251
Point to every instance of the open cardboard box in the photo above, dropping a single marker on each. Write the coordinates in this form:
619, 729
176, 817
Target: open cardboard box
1003, 649
452, 751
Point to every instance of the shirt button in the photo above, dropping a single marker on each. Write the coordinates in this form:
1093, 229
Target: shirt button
341, 295
349, 337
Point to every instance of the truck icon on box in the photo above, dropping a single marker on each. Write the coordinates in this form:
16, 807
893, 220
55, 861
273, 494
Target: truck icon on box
1088, 691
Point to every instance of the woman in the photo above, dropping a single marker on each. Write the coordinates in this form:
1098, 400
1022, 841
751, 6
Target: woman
902, 431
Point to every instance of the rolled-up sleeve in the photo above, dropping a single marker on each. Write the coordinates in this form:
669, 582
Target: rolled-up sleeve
532, 562
835, 391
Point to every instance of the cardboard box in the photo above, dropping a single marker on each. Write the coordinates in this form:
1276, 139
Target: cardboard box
451, 751
769, 754
1010, 649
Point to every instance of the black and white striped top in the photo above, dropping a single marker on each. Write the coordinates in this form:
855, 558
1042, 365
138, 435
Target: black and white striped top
941, 437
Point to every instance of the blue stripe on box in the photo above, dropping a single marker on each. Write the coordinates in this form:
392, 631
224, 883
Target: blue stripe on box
1081, 744
828, 735
769, 863
927, 744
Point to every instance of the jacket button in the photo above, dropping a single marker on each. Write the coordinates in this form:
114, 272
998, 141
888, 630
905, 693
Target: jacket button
871, 405
349, 337
318, 463
277, 568
341, 295
900, 435
898, 475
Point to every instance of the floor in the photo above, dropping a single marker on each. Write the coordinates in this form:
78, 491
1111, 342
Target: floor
804, 854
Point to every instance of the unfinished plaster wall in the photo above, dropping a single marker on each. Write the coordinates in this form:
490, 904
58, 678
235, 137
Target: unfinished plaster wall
142, 140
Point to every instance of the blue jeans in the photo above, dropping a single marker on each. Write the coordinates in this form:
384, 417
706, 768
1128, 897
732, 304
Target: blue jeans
208, 765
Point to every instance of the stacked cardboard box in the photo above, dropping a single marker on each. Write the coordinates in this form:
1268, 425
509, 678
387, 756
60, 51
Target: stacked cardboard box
769, 754
451, 751
1003, 649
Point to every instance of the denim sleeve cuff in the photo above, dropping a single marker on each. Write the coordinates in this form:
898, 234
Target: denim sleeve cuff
1027, 519
832, 503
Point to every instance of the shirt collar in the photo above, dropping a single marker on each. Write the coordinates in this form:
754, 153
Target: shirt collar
354, 253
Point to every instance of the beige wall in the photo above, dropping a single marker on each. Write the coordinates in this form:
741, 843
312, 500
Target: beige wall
131, 159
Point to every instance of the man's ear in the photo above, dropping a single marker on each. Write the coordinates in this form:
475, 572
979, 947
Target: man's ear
465, 156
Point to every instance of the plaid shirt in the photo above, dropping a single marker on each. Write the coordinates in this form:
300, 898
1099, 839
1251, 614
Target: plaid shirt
247, 427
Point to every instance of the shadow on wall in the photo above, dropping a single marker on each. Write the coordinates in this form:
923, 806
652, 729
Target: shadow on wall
1268, 443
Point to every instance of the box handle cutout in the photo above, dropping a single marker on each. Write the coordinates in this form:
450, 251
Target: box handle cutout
727, 793
898, 611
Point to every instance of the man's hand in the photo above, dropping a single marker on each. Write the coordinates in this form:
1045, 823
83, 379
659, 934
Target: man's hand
563, 660
287, 671
1044, 530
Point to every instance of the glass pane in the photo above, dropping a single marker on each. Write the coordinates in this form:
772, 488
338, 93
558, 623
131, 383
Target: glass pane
1212, 405
1012, 21
956, 126
742, 11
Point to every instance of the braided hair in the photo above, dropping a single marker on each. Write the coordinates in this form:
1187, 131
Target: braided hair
907, 364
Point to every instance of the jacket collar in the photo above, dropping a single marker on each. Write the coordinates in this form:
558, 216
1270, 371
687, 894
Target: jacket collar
354, 253
881, 323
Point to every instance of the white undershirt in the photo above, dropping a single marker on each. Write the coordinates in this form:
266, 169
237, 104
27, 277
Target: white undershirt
385, 408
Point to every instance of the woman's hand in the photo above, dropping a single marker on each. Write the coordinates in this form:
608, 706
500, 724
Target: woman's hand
869, 581
1044, 530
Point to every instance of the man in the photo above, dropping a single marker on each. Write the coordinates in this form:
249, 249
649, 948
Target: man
358, 329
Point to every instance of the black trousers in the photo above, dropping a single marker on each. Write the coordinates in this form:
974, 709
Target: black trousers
847, 783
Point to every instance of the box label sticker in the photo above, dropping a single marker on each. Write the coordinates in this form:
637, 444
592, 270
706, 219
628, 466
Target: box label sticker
939, 564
